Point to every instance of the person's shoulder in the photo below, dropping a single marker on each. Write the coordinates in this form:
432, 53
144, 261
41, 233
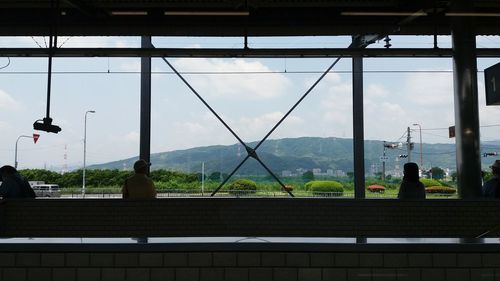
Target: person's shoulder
134, 176
8, 180
493, 180
142, 177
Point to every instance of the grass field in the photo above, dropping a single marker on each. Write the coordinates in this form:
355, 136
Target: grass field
115, 190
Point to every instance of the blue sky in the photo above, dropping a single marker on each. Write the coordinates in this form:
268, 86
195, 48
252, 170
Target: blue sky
250, 103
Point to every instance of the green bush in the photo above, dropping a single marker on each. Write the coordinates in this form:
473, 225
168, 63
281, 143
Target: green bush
348, 186
92, 190
242, 185
447, 183
440, 190
307, 185
430, 182
333, 188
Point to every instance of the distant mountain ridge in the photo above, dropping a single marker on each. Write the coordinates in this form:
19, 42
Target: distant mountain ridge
290, 154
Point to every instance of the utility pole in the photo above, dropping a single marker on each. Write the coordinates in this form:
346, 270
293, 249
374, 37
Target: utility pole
34, 137
408, 145
421, 157
384, 158
85, 150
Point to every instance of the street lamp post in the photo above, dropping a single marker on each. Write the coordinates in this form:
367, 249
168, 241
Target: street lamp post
15, 157
420, 131
85, 149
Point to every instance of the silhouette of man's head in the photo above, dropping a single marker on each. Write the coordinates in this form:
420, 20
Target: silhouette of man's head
411, 172
141, 166
7, 170
495, 168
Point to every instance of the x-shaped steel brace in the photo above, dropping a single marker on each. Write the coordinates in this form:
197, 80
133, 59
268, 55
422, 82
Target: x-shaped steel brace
252, 152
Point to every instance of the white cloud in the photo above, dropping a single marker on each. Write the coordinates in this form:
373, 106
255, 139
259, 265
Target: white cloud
234, 86
429, 89
72, 42
130, 137
337, 106
7, 102
376, 91
130, 66
489, 115
135, 66
206, 130
99, 42
253, 128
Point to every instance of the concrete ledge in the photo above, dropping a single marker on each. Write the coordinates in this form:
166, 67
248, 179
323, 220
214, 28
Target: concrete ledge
247, 217
227, 248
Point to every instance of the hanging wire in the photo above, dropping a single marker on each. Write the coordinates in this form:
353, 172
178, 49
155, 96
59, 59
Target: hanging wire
8, 63
402, 136
64, 42
36, 42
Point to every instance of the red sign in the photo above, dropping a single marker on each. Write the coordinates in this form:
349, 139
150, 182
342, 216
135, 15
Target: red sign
451, 132
35, 137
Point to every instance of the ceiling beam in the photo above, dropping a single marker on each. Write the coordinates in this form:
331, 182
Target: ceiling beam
235, 53
85, 9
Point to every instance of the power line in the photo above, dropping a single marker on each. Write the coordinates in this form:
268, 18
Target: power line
439, 153
435, 129
232, 72
402, 136
65, 41
38, 43
441, 136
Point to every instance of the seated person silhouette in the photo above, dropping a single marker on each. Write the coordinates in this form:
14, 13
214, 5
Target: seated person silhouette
139, 186
411, 187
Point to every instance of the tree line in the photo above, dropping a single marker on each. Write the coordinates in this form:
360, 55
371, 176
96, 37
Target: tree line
103, 178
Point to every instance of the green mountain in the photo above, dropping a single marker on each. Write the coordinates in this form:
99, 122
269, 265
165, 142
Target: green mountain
305, 153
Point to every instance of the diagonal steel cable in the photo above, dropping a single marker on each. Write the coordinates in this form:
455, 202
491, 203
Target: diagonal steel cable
298, 102
251, 152
204, 102
276, 126
229, 176
263, 165
275, 177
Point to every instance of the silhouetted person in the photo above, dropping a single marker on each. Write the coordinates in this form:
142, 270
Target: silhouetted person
490, 188
14, 185
411, 187
139, 186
